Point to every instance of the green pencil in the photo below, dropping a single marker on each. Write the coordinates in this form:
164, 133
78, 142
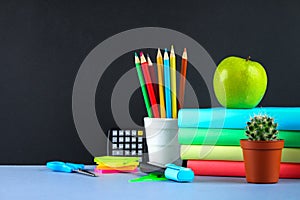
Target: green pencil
143, 86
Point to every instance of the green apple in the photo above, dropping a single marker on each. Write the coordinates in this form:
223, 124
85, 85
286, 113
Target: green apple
240, 82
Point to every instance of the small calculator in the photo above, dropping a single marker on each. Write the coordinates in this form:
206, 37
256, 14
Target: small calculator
127, 143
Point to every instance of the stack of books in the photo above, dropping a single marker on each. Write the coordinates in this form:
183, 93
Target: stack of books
210, 139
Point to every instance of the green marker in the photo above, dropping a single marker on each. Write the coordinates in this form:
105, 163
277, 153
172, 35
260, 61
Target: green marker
143, 86
150, 177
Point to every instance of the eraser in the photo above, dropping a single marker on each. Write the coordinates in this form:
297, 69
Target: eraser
179, 174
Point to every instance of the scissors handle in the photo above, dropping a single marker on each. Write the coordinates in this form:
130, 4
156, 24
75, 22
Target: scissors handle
63, 167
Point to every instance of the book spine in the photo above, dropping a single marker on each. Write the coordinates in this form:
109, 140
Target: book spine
231, 153
228, 137
235, 168
287, 118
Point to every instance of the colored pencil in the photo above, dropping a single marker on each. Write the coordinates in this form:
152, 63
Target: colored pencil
143, 86
167, 84
173, 82
160, 72
153, 77
149, 86
182, 79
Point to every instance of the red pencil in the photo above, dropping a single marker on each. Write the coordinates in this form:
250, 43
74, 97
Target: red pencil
182, 79
153, 77
149, 86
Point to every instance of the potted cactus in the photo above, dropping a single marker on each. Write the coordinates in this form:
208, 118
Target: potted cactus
262, 150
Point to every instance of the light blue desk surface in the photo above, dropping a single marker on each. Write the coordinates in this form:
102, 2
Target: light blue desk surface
38, 182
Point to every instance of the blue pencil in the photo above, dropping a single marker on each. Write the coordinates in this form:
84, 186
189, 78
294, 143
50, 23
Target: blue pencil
167, 85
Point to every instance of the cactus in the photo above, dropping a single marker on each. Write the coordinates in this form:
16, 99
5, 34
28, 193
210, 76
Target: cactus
261, 128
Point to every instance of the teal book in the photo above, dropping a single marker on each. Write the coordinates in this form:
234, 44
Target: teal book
288, 118
228, 137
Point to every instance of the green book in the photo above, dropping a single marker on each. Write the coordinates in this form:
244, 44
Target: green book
228, 137
232, 153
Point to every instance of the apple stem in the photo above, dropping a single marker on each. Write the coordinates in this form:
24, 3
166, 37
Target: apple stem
248, 58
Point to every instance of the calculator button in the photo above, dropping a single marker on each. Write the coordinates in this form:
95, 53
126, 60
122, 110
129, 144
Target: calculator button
127, 139
140, 133
121, 133
117, 153
133, 146
114, 146
133, 132
121, 139
115, 133
127, 153
140, 139
133, 139
127, 132
114, 139
133, 153
121, 146
127, 146
140, 152
140, 146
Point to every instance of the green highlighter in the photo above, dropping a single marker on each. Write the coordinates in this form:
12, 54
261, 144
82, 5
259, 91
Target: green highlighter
155, 173
155, 176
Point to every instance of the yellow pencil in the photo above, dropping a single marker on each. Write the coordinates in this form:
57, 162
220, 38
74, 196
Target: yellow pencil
173, 82
160, 71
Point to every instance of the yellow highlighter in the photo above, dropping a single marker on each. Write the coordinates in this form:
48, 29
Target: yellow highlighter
160, 72
173, 82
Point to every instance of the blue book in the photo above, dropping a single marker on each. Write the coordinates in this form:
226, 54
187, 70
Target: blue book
288, 118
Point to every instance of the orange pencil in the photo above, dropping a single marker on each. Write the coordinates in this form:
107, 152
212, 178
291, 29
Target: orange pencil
182, 79
149, 86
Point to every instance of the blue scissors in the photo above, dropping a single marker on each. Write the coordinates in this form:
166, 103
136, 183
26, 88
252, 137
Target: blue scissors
58, 166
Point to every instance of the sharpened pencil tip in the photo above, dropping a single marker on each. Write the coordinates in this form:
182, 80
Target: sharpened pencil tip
166, 50
149, 60
135, 54
158, 53
141, 54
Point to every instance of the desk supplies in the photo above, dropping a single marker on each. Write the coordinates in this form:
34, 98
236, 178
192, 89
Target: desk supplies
113, 164
167, 85
182, 79
179, 174
173, 82
228, 137
143, 86
286, 117
162, 142
164, 92
150, 168
149, 178
230, 153
149, 85
169, 171
114, 171
58, 166
236, 168
160, 73
153, 77
126, 143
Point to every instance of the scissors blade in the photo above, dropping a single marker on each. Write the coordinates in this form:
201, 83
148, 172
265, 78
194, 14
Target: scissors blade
85, 172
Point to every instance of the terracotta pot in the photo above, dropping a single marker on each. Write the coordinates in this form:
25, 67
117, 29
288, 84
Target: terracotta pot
262, 160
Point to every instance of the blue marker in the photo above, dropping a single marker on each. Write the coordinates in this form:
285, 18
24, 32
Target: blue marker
167, 85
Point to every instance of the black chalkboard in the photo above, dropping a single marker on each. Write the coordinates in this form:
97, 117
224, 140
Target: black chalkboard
43, 43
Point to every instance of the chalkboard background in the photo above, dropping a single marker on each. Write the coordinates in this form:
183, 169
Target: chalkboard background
43, 43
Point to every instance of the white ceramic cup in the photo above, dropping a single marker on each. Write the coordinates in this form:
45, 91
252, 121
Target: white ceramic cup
162, 140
